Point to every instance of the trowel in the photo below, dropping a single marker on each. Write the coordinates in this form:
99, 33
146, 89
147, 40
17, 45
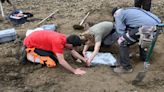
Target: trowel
141, 75
79, 26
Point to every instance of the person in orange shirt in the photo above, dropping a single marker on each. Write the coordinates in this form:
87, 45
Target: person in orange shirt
56, 43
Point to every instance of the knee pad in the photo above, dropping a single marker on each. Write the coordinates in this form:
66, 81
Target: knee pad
35, 58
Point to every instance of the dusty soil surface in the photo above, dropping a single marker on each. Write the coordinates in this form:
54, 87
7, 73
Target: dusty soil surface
15, 77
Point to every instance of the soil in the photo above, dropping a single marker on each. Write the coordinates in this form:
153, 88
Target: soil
15, 77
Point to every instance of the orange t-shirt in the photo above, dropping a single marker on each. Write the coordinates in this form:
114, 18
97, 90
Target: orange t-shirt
46, 40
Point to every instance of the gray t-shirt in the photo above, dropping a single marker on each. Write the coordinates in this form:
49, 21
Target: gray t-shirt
100, 30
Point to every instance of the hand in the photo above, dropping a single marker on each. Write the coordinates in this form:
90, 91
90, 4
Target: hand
78, 71
120, 40
85, 60
89, 62
84, 54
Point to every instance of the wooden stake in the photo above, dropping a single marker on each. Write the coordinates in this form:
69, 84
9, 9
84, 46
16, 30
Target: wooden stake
84, 19
46, 18
3, 15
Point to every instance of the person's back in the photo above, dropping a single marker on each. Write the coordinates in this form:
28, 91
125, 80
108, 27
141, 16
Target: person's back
46, 40
127, 23
136, 17
101, 29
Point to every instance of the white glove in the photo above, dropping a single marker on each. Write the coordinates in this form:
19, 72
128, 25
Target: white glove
120, 40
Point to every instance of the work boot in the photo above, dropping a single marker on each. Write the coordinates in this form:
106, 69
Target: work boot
122, 70
23, 55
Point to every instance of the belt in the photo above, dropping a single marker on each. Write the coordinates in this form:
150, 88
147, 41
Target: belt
133, 27
130, 38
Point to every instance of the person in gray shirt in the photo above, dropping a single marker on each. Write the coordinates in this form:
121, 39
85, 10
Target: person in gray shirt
94, 37
98, 32
127, 23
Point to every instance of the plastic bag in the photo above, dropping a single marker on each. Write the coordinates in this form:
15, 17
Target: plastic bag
49, 27
102, 59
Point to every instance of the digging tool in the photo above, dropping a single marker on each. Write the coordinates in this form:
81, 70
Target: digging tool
141, 75
33, 28
79, 26
46, 18
2, 12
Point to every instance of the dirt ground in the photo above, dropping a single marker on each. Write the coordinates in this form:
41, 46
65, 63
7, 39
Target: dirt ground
15, 77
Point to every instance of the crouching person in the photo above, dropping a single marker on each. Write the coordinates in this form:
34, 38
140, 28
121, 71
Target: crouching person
95, 36
128, 21
51, 44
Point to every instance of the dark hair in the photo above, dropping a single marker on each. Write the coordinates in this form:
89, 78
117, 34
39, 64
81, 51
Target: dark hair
74, 40
114, 10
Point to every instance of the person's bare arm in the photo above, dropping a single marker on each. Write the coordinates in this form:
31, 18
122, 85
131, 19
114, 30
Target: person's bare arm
85, 49
77, 55
96, 50
64, 63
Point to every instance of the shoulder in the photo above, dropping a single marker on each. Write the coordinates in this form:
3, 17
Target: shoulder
119, 12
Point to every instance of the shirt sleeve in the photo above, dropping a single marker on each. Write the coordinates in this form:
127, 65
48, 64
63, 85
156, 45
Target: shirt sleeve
98, 38
119, 23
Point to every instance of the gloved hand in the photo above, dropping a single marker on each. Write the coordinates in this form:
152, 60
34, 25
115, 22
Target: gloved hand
120, 40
